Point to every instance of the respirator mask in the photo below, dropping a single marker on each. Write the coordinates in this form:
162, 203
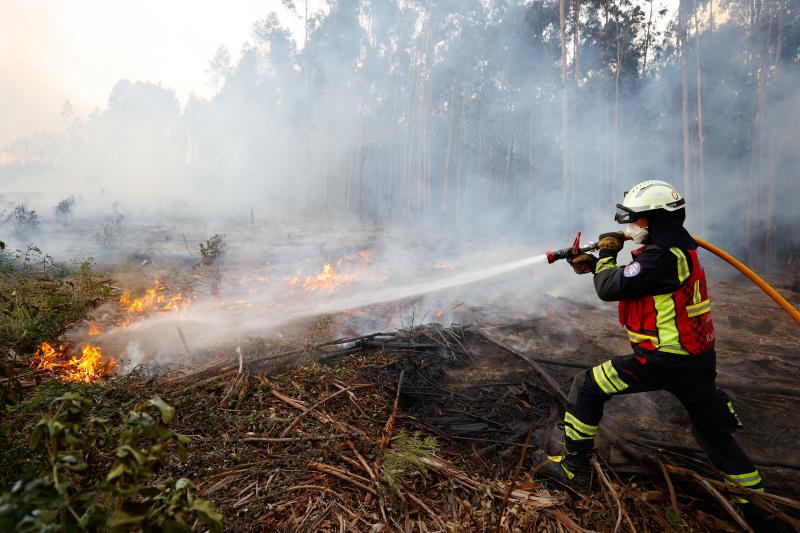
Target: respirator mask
637, 234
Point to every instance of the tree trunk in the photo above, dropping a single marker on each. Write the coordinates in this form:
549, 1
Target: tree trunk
449, 152
565, 170
683, 21
647, 39
756, 144
700, 132
775, 144
617, 73
531, 168
464, 92
506, 184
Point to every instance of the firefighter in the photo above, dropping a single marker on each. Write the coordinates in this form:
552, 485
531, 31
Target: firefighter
665, 309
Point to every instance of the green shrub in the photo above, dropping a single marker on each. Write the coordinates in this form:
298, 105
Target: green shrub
73, 495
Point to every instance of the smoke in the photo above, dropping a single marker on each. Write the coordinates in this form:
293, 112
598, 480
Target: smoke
446, 117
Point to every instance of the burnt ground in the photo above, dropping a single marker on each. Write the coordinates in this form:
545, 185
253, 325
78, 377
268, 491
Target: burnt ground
296, 441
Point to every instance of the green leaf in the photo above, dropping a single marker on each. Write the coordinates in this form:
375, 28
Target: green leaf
206, 514
122, 521
167, 411
117, 471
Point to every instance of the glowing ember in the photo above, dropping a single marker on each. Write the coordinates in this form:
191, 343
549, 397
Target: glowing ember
89, 366
444, 265
94, 329
154, 299
438, 313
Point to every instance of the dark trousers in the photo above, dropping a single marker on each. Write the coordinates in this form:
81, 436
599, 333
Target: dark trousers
691, 379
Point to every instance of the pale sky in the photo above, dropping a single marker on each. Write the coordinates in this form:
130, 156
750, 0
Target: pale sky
52, 50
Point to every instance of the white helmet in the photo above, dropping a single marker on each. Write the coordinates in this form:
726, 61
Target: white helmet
648, 196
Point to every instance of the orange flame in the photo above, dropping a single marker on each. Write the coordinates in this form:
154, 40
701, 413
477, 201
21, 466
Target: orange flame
46, 356
91, 365
438, 313
444, 265
326, 280
154, 300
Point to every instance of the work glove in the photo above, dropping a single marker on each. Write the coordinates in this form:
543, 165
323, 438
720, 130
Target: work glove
583, 263
611, 243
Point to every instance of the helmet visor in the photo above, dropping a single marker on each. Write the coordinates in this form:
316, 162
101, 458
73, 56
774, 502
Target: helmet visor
625, 215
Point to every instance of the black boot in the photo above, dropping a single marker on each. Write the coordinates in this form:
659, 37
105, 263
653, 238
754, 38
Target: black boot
571, 468
761, 521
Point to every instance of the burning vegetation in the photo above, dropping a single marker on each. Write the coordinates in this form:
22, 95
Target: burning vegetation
154, 299
89, 366
326, 281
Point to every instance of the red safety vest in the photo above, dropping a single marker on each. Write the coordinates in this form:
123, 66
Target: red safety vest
677, 322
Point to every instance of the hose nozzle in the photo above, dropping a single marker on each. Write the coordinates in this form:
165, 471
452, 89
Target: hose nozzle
573, 251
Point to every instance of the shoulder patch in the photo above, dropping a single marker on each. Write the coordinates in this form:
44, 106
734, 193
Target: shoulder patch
632, 269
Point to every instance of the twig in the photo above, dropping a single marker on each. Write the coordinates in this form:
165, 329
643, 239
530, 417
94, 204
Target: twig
307, 410
552, 383
605, 481
304, 438
344, 476
673, 500
568, 522
427, 509
387, 430
297, 404
514, 477
723, 502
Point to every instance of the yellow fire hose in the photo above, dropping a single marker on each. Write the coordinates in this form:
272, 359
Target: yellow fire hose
752, 276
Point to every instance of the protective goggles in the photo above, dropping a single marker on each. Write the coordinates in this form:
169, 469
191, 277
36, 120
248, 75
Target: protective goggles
626, 215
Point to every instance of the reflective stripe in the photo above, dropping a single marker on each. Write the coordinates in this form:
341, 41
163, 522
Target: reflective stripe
560, 460
699, 308
606, 377
602, 381
683, 264
606, 263
750, 479
641, 337
672, 349
575, 435
697, 297
611, 372
739, 499
733, 412
569, 418
665, 323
